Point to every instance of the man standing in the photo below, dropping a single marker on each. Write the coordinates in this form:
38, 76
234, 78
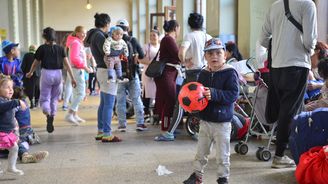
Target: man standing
132, 88
291, 51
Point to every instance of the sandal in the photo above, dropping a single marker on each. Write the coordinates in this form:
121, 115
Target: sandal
163, 138
99, 136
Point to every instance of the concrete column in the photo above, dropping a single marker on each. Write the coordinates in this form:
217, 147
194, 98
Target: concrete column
213, 17
160, 20
183, 9
251, 16
142, 14
27, 22
13, 21
36, 30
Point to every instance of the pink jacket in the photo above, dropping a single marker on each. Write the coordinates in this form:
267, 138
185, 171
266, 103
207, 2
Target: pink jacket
76, 53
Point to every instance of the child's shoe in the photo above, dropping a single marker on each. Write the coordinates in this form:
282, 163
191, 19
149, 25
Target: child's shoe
80, 120
122, 80
222, 180
99, 136
15, 172
34, 157
65, 108
110, 138
194, 179
50, 123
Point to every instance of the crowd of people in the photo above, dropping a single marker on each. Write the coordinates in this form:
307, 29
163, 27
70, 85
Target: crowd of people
109, 57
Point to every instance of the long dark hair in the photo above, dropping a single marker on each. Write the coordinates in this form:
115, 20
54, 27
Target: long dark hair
169, 26
232, 47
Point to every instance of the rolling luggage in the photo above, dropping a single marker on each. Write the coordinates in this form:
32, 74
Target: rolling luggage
308, 129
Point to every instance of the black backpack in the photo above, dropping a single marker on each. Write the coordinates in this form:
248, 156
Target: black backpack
130, 68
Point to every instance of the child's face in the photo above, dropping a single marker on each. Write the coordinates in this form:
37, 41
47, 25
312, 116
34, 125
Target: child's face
215, 58
6, 89
117, 35
15, 52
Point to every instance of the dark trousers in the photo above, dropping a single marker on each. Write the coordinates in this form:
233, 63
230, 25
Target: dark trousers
166, 95
191, 76
32, 89
92, 82
287, 89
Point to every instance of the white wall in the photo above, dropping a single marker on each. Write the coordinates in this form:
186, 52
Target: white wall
4, 14
64, 15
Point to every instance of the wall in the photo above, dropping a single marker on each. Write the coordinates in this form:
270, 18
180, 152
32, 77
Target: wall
251, 16
64, 15
4, 14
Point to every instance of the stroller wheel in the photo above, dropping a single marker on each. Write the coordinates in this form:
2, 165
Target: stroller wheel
237, 148
265, 155
192, 125
243, 149
258, 152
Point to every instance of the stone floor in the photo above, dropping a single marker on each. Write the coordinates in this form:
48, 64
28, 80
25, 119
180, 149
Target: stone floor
76, 158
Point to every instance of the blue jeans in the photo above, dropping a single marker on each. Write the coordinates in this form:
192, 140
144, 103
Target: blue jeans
105, 113
134, 90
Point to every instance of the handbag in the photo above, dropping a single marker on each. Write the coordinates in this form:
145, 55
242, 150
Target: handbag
155, 68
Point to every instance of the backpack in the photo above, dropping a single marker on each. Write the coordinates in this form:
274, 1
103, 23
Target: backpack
130, 66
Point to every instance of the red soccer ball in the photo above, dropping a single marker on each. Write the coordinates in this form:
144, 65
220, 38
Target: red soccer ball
191, 97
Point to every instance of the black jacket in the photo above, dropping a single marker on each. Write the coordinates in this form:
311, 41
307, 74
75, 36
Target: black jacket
133, 68
96, 39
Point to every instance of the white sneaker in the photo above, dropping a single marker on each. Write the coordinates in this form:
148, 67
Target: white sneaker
70, 118
282, 162
80, 120
15, 172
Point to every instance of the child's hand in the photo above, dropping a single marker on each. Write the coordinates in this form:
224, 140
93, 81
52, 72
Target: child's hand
22, 105
29, 75
207, 93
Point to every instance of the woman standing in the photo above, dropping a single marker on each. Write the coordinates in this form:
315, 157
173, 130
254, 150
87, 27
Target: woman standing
165, 84
95, 39
77, 58
52, 58
148, 83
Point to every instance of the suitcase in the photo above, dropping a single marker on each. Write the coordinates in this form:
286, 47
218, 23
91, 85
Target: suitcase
308, 129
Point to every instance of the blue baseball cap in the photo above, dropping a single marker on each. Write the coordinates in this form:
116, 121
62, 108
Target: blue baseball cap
7, 46
213, 44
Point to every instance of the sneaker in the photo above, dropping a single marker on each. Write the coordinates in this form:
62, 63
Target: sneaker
222, 180
99, 136
15, 172
65, 108
282, 162
80, 120
141, 127
110, 138
165, 137
34, 157
70, 118
194, 179
121, 128
50, 124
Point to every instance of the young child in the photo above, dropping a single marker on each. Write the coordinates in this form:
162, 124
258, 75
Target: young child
27, 136
8, 138
10, 63
323, 100
115, 50
221, 89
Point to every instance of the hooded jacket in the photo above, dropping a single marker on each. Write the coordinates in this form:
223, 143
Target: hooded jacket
224, 89
76, 52
96, 39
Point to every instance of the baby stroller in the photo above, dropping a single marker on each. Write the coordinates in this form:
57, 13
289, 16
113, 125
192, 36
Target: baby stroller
259, 126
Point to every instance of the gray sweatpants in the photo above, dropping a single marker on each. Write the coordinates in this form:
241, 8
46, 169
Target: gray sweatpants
217, 134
